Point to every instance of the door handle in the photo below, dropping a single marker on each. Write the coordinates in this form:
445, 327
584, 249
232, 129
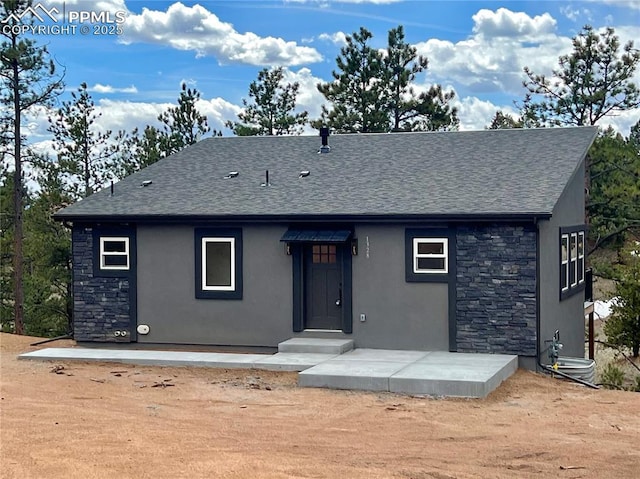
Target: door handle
339, 300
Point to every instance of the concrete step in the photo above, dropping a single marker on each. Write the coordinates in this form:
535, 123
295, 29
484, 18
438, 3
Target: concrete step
315, 345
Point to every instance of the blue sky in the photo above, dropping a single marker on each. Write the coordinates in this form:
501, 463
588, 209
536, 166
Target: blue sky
477, 48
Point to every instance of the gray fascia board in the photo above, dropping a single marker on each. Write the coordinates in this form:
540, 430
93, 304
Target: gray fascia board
373, 218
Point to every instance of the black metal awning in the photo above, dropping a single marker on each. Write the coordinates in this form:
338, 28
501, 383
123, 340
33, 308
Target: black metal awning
316, 236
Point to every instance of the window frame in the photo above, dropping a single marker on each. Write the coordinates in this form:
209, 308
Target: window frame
564, 262
232, 236
102, 254
232, 273
444, 235
417, 256
575, 264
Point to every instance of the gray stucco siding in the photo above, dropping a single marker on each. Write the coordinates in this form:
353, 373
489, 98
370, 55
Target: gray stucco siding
166, 290
565, 315
399, 314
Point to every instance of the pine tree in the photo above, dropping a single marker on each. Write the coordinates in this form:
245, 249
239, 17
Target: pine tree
613, 200
357, 94
28, 79
183, 125
83, 151
410, 111
593, 81
623, 328
501, 121
272, 110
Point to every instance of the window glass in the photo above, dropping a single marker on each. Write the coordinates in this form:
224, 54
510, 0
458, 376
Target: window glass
573, 267
431, 263
580, 257
218, 261
110, 246
430, 248
322, 253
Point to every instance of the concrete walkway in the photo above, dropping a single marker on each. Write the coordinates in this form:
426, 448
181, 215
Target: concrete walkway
331, 366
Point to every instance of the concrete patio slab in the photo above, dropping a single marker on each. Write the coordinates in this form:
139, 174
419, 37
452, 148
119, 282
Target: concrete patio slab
457, 375
411, 372
383, 355
291, 361
350, 374
149, 358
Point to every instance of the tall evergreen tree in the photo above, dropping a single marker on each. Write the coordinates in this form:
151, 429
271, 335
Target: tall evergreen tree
83, 151
183, 125
410, 111
271, 111
613, 200
28, 79
357, 93
593, 81
501, 121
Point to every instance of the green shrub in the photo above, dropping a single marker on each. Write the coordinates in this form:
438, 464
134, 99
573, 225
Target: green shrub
612, 377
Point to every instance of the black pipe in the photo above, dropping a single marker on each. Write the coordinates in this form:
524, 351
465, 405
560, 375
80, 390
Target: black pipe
45, 341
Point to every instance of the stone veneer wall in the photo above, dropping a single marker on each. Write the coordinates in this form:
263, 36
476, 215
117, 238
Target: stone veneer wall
496, 289
101, 304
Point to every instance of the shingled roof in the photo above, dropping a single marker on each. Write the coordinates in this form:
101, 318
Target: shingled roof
517, 172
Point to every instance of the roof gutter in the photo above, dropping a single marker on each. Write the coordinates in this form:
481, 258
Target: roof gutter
532, 217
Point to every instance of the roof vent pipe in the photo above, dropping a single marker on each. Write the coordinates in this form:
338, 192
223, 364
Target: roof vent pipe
266, 179
324, 133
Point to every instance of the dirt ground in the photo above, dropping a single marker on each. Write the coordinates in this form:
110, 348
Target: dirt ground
88, 420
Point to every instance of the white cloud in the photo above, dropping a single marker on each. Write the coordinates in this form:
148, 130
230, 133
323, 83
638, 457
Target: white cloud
100, 88
338, 38
493, 57
197, 29
505, 23
476, 114
309, 98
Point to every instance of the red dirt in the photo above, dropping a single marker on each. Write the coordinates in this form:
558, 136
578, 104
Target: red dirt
95, 420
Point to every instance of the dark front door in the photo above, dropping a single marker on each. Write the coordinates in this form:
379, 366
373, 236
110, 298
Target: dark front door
323, 286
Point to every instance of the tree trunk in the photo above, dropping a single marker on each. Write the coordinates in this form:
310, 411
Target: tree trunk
636, 350
18, 290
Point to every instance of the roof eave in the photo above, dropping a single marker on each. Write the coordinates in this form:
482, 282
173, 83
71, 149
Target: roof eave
524, 217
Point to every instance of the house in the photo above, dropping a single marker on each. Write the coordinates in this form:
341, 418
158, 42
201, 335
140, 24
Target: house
451, 241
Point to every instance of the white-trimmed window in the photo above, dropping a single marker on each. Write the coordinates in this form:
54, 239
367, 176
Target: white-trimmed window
218, 264
114, 253
573, 266
580, 265
430, 255
572, 260
564, 266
